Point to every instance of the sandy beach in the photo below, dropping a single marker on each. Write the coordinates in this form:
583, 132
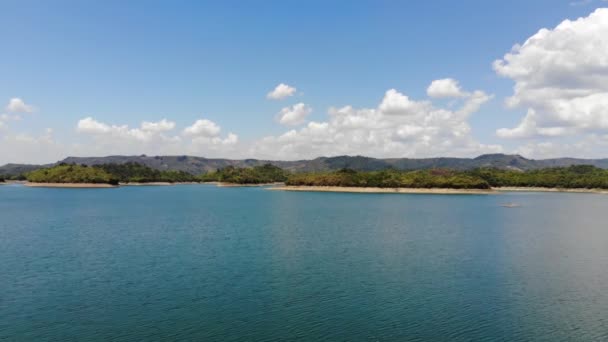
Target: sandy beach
236, 185
538, 189
386, 190
147, 184
433, 190
69, 185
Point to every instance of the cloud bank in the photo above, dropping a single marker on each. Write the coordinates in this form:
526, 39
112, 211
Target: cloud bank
561, 79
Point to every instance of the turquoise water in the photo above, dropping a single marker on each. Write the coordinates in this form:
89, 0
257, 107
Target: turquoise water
200, 263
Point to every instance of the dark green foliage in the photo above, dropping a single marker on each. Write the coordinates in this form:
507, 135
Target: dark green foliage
138, 173
572, 177
108, 173
578, 176
66, 173
437, 178
266, 173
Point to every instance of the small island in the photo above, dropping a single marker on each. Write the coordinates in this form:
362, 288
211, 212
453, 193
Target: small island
103, 176
65, 175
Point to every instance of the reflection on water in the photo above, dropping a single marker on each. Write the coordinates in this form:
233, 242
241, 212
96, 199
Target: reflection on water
202, 263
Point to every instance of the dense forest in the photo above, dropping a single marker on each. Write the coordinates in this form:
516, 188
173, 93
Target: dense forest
107, 173
138, 173
572, 177
578, 176
436, 178
266, 173
67, 173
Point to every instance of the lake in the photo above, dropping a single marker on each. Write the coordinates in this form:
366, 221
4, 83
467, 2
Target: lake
201, 263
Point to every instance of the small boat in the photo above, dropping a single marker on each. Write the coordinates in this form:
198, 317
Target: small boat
511, 205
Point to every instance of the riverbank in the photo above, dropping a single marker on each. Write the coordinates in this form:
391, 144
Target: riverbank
70, 185
157, 183
539, 189
386, 190
444, 191
237, 185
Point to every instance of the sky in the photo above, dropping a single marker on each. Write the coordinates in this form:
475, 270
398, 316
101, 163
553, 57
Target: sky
302, 79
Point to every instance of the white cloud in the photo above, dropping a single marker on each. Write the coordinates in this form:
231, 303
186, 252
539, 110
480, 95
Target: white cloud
561, 78
200, 138
398, 127
281, 91
90, 125
396, 103
17, 105
294, 115
148, 132
446, 87
161, 126
205, 136
27, 148
203, 128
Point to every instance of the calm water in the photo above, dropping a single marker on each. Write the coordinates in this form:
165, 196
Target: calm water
200, 263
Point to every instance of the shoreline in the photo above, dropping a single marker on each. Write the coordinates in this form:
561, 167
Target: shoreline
386, 190
157, 183
70, 185
283, 187
439, 191
237, 185
540, 189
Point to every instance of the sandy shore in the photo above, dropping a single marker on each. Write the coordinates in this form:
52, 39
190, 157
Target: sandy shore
157, 183
537, 189
386, 190
433, 190
236, 185
69, 185
147, 184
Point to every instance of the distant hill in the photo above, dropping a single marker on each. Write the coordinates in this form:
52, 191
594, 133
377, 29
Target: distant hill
198, 165
18, 169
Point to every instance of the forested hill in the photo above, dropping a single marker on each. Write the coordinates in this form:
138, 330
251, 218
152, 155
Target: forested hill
198, 165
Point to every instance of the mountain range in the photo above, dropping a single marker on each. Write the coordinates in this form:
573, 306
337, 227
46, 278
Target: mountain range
198, 165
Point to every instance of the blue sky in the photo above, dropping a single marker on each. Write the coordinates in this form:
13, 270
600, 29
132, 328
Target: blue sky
126, 62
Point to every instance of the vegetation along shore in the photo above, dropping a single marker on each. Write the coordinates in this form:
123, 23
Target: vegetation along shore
577, 178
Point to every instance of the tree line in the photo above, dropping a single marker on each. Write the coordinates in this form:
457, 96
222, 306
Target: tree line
579, 176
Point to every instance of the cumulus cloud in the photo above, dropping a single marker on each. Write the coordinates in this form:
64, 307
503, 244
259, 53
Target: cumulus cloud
206, 133
28, 148
147, 131
161, 126
203, 127
561, 78
281, 91
447, 87
397, 127
17, 105
294, 115
200, 138
5, 118
149, 137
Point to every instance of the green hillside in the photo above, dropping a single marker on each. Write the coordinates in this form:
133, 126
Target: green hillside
66, 173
